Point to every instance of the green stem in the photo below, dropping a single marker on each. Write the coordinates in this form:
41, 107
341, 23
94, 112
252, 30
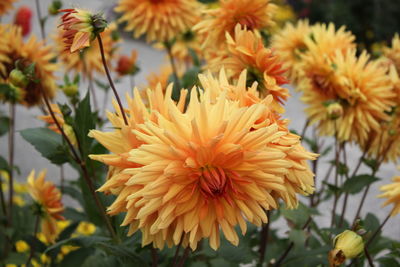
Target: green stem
264, 239
41, 22
173, 65
28, 262
11, 150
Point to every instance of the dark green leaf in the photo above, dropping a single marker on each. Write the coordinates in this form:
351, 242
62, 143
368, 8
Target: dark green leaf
74, 193
16, 258
48, 143
84, 122
357, 183
298, 237
76, 257
4, 125
298, 216
190, 78
4, 164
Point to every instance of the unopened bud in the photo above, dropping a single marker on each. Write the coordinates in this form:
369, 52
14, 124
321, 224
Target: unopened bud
347, 245
18, 78
335, 111
54, 7
70, 90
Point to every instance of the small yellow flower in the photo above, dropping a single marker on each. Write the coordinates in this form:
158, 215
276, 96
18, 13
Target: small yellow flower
20, 188
11, 265
348, 245
45, 259
86, 228
63, 224
67, 249
19, 201
21, 246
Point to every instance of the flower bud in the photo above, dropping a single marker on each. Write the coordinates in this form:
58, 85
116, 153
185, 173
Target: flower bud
69, 132
18, 78
348, 245
335, 111
14, 94
70, 90
23, 19
54, 7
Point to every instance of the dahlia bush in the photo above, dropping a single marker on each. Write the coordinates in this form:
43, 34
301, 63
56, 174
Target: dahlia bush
199, 165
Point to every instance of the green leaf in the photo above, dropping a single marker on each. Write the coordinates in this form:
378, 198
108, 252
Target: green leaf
48, 143
4, 125
16, 258
355, 184
190, 78
81, 241
298, 216
4, 164
121, 252
74, 193
84, 121
76, 257
195, 58
298, 237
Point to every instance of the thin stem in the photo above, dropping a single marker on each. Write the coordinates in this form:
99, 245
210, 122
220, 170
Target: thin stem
154, 257
291, 245
303, 132
41, 22
11, 150
314, 170
103, 58
35, 230
173, 65
177, 251
62, 178
2, 199
336, 197
184, 257
83, 168
369, 258
132, 81
264, 239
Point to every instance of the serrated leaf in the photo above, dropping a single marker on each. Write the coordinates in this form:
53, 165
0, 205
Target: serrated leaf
355, 184
47, 143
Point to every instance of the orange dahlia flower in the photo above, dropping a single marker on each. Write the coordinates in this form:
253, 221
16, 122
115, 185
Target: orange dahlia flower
246, 51
46, 194
6, 5
80, 28
160, 20
289, 44
252, 14
186, 175
393, 53
392, 193
361, 87
127, 65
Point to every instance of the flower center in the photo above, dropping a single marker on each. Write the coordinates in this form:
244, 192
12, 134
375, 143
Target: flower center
249, 21
212, 181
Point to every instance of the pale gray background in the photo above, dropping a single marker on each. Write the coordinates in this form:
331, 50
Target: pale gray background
149, 60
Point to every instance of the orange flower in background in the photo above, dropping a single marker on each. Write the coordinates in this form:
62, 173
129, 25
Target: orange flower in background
252, 14
6, 5
363, 90
392, 194
189, 174
247, 51
88, 61
393, 53
159, 20
80, 28
127, 65
289, 44
27, 53
46, 194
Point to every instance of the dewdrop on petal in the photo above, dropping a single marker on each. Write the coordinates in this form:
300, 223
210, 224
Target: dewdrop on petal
348, 245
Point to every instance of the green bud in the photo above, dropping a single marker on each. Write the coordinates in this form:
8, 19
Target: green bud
18, 78
99, 23
70, 90
54, 7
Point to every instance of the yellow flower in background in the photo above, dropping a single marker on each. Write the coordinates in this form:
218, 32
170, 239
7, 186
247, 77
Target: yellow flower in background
347, 245
42, 238
246, 50
189, 174
80, 27
61, 225
30, 52
46, 194
19, 201
393, 52
86, 228
21, 246
67, 249
159, 20
361, 87
252, 14
87, 61
289, 44
6, 5
392, 194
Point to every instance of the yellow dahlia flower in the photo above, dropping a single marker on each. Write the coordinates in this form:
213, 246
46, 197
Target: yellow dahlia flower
46, 194
6, 5
88, 61
187, 174
27, 53
246, 51
393, 53
361, 87
160, 20
392, 194
80, 27
300, 179
289, 44
252, 14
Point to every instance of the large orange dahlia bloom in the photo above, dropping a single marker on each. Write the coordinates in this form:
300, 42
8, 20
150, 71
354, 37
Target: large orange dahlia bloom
245, 50
186, 175
160, 20
46, 194
252, 14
